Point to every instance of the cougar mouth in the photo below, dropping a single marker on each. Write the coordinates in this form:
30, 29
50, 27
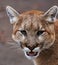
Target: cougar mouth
31, 53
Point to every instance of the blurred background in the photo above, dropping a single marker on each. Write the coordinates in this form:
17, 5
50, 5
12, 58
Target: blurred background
10, 53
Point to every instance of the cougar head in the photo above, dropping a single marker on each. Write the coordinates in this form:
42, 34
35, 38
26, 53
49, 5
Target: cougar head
33, 30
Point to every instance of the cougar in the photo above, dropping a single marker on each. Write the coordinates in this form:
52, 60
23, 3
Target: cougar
34, 32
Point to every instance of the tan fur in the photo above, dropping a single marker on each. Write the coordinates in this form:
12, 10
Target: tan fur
32, 22
33, 25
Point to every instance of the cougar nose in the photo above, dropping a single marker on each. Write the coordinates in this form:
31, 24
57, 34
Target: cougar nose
31, 47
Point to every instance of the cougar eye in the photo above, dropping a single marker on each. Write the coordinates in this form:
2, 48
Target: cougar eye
40, 32
23, 32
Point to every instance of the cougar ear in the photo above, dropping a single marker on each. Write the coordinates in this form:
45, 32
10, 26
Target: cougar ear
12, 14
51, 14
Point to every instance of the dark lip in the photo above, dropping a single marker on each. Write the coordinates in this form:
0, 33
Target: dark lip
31, 53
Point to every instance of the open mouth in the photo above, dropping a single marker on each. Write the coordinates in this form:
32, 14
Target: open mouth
31, 53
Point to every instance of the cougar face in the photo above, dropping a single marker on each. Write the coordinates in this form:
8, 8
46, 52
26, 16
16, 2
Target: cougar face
33, 30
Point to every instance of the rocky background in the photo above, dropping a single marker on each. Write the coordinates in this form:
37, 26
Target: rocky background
10, 53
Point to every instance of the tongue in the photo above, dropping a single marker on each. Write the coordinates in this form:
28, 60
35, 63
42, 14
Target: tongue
32, 53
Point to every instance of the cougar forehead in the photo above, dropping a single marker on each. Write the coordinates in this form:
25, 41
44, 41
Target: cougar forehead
29, 21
